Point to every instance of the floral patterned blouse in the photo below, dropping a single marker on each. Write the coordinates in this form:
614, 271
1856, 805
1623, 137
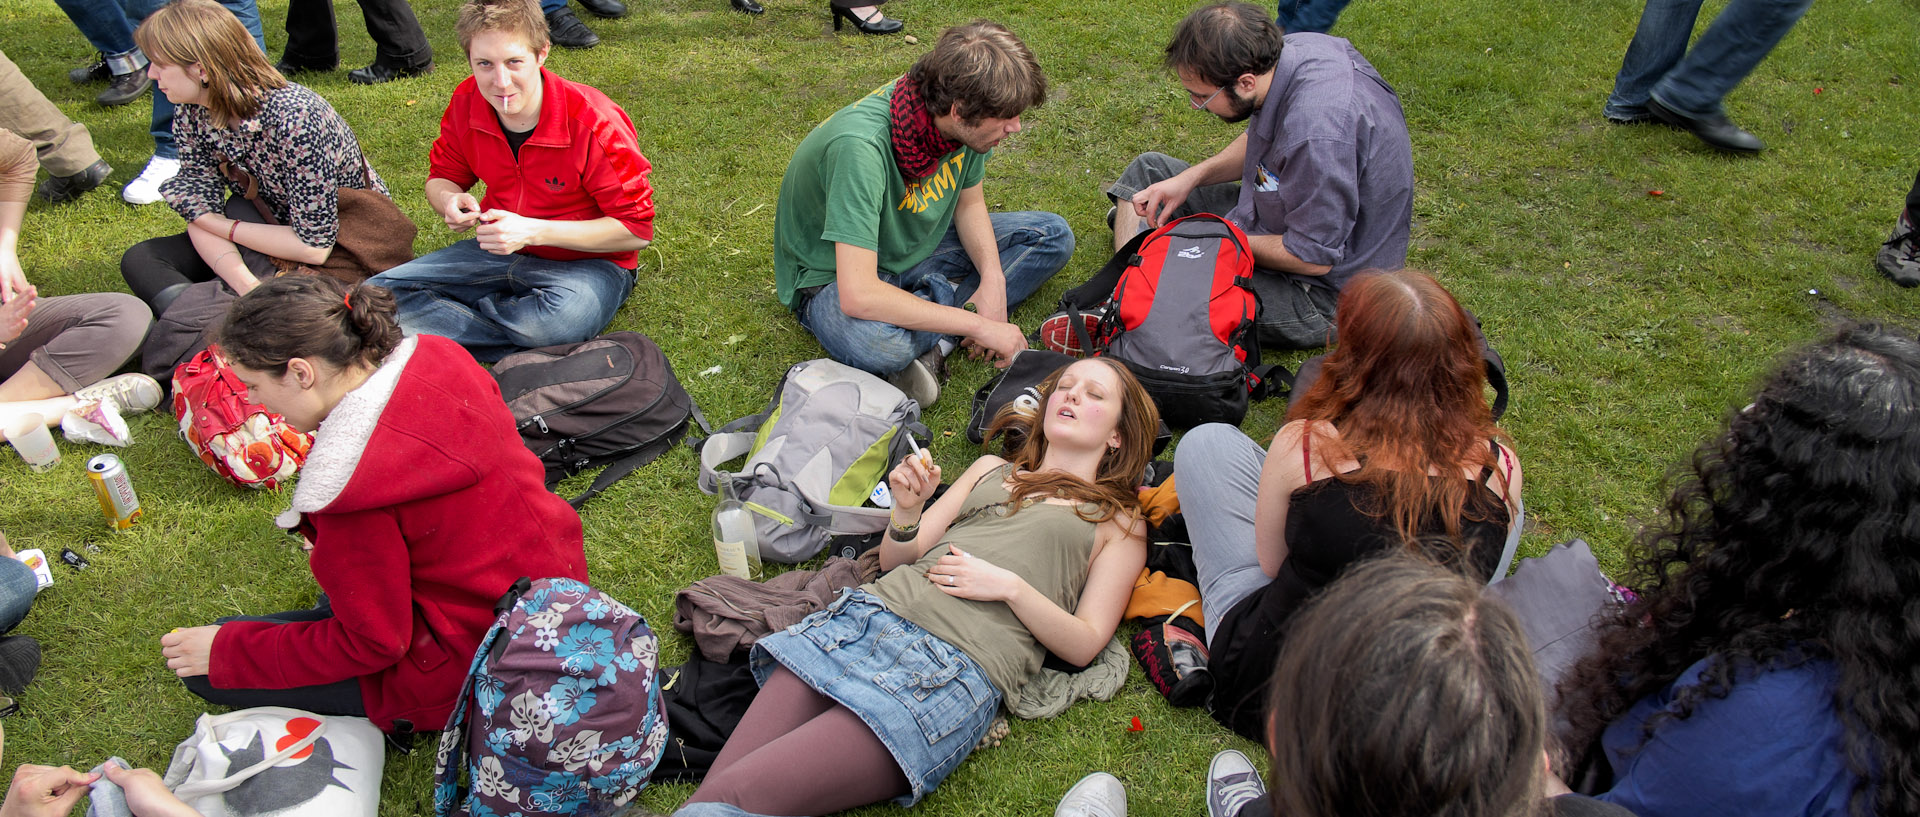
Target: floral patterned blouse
299, 149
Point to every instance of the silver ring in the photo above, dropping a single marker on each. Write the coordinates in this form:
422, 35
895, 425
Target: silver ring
950, 580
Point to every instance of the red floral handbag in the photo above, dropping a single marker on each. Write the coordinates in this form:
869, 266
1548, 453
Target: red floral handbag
239, 439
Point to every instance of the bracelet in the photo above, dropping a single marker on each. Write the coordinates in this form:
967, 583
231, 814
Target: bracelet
230, 228
216, 259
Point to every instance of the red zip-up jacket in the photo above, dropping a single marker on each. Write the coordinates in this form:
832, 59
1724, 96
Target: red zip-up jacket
582, 162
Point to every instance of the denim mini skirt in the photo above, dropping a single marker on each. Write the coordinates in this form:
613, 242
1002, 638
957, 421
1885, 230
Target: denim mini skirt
925, 699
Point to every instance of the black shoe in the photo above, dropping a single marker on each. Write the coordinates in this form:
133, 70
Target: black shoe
567, 31
1716, 130
19, 662
377, 73
63, 189
124, 88
747, 7
610, 9
868, 25
289, 67
95, 71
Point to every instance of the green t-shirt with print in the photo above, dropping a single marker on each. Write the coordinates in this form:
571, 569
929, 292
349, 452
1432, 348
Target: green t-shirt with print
843, 187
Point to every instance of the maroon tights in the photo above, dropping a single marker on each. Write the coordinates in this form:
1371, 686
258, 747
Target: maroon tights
798, 752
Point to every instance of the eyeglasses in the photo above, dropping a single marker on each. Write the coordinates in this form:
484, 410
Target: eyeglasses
1203, 103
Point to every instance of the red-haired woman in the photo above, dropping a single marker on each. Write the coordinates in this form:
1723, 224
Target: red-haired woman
1392, 447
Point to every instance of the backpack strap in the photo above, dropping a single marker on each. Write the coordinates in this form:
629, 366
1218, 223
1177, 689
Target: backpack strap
1099, 288
620, 468
1270, 380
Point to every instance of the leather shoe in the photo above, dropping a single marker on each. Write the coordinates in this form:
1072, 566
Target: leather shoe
610, 9
63, 189
567, 31
747, 7
874, 24
1716, 130
379, 72
124, 88
288, 67
95, 71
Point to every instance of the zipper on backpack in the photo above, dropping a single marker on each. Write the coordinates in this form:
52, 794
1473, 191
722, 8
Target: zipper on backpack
769, 513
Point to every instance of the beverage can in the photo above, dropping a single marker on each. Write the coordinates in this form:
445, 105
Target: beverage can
114, 488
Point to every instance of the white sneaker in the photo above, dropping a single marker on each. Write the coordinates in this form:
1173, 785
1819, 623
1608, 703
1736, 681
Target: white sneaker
145, 188
133, 392
1096, 795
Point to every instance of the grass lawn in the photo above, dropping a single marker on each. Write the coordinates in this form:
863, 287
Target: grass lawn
1632, 320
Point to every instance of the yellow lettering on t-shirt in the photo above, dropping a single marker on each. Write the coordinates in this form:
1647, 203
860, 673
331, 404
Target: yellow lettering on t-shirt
930, 190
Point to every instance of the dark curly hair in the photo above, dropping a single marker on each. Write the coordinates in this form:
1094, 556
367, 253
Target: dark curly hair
1792, 537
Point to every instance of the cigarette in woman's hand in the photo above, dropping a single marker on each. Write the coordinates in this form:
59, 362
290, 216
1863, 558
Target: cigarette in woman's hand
926, 459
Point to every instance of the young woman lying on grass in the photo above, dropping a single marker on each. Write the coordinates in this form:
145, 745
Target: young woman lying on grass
898, 680
1769, 663
418, 503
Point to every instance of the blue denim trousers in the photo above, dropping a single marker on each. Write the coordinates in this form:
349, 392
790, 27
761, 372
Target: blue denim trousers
496, 305
17, 588
1308, 15
1033, 246
1658, 63
108, 26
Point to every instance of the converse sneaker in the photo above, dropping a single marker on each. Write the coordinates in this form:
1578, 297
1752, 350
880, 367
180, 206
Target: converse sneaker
133, 392
1096, 795
1899, 258
145, 188
1232, 783
921, 379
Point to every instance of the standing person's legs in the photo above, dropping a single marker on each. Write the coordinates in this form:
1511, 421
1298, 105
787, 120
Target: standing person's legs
1148, 169
1219, 472
109, 29
1293, 314
779, 766
1308, 15
312, 36
337, 698
398, 40
1658, 44
1731, 47
63, 146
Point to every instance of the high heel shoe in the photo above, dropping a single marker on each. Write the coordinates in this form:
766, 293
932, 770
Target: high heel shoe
867, 25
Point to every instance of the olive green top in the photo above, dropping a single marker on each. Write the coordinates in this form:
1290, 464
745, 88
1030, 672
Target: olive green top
1046, 543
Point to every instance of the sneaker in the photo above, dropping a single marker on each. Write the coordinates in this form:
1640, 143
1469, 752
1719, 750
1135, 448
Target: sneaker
95, 71
63, 189
567, 31
124, 88
1232, 783
145, 188
1096, 795
19, 661
133, 392
921, 379
1899, 258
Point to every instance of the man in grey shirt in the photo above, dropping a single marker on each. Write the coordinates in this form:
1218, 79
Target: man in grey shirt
1322, 180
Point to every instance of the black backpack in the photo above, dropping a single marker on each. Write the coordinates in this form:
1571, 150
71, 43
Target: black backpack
1179, 310
609, 400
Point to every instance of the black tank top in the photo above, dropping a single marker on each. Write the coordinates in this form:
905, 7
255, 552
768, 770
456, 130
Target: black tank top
1328, 530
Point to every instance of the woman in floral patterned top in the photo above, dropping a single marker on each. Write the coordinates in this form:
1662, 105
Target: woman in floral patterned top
233, 105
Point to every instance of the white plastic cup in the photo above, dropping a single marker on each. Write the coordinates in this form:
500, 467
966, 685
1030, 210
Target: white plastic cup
29, 435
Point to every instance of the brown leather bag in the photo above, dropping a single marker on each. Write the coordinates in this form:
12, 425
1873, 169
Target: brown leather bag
374, 235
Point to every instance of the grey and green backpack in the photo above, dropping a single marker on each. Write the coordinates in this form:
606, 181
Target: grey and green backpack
830, 434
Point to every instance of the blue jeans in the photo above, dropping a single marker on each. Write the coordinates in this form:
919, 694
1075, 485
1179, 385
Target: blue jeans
108, 26
1658, 64
496, 305
1033, 246
1308, 15
17, 588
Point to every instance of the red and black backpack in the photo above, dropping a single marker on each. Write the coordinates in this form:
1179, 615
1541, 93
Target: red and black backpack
1176, 306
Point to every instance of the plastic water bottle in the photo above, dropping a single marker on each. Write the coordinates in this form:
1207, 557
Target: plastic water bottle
734, 542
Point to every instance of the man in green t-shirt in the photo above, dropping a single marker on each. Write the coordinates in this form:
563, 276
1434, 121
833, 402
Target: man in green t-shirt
883, 246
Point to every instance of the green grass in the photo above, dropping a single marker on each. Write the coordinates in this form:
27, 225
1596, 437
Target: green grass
1631, 323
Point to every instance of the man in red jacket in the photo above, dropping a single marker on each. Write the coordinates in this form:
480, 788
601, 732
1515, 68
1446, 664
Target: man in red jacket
567, 204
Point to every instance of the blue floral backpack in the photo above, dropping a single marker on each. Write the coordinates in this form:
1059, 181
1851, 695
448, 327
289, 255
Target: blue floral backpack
561, 713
